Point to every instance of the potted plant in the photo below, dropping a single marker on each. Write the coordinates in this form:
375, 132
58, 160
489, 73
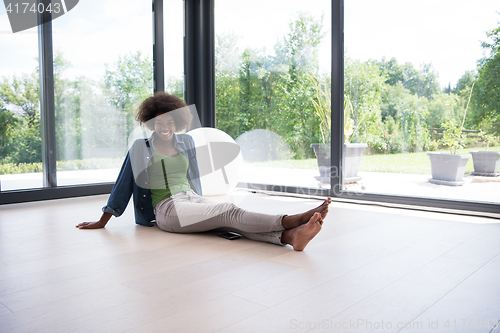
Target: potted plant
486, 163
352, 151
449, 168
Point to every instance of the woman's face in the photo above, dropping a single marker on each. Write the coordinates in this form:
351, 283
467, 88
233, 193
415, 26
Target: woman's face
165, 126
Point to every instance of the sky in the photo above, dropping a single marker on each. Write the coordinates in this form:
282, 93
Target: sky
445, 33
87, 37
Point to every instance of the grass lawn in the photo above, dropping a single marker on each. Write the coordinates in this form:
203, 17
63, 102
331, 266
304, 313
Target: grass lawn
414, 163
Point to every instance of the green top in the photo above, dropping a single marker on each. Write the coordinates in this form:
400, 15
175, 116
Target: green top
167, 176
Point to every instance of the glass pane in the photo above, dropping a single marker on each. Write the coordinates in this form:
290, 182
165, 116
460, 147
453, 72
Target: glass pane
20, 139
272, 86
103, 70
173, 24
409, 73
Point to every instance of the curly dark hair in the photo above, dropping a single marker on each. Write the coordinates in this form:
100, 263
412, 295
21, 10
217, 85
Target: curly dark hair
162, 103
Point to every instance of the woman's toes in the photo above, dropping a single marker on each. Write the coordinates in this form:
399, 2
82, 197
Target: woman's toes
315, 218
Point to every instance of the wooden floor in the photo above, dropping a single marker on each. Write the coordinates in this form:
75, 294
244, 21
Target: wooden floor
370, 269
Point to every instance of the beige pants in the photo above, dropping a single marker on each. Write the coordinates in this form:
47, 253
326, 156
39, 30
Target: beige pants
187, 212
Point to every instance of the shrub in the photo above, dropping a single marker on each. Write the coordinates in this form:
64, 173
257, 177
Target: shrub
431, 145
377, 146
13, 168
87, 164
494, 141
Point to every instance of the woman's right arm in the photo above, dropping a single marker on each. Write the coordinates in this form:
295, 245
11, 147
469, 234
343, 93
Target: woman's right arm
118, 199
97, 224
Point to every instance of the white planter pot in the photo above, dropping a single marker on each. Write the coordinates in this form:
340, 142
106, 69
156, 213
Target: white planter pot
447, 169
352, 158
486, 163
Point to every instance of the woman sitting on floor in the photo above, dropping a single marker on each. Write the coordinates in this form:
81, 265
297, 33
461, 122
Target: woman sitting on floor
162, 174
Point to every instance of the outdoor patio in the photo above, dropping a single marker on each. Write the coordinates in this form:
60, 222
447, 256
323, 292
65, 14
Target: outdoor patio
476, 188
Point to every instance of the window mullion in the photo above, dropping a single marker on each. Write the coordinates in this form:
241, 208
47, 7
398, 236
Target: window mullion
158, 47
47, 109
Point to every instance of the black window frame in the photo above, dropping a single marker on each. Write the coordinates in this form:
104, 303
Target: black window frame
199, 69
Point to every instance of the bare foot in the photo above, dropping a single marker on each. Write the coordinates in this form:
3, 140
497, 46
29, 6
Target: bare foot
300, 236
296, 220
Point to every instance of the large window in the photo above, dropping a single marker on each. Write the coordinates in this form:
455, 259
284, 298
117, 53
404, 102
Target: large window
409, 73
20, 138
103, 69
272, 74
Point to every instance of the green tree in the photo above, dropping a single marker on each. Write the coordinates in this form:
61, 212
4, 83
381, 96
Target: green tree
299, 52
465, 83
250, 93
428, 85
364, 84
174, 86
67, 116
227, 93
255, 90
21, 96
444, 107
394, 72
486, 96
8, 122
87, 125
128, 83
423, 81
391, 97
412, 113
